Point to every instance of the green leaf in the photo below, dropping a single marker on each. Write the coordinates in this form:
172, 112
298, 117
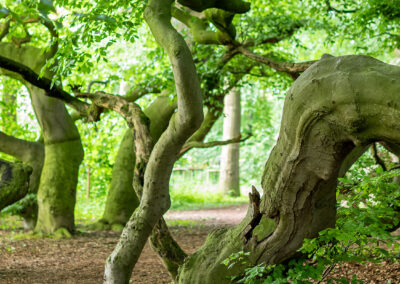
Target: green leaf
4, 12
46, 6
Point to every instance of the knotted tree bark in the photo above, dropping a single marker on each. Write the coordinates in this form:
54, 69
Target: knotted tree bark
332, 113
14, 182
121, 197
155, 200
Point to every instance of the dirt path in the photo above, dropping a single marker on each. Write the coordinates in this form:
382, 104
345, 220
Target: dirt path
81, 259
231, 215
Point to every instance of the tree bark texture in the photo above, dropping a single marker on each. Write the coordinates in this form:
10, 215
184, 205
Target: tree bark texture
155, 200
63, 151
334, 109
63, 156
229, 168
121, 197
31, 154
14, 182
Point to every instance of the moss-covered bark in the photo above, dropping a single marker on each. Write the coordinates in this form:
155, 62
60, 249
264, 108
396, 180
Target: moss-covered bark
63, 149
121, 197
155, 200
32, 154
57, 191
14, 182
337, 107
63, 156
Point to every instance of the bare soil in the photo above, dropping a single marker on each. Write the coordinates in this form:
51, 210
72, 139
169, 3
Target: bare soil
81, 259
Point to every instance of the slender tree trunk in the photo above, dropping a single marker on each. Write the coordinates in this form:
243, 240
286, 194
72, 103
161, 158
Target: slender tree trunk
155, 200
337, 105
229, 169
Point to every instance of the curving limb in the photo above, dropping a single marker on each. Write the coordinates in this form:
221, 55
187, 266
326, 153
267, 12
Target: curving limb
155, 200
335, 109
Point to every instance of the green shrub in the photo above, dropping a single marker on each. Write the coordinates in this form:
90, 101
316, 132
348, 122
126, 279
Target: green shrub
365, 218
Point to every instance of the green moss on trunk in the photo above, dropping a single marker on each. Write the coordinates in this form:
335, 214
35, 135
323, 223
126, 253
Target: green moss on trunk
14, 182
332, 112
57, 191
121, 198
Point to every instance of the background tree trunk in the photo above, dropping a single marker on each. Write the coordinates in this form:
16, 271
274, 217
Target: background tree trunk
121, 197
229, 169
63, 156
337, 105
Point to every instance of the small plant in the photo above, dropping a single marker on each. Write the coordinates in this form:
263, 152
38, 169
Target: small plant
236, 258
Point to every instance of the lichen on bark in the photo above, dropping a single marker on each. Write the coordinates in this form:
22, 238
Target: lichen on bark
57, 190
333, 111
59, 134
14, 182
121, 197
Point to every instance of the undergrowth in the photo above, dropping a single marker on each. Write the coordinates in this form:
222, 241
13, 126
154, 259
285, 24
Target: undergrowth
366, 216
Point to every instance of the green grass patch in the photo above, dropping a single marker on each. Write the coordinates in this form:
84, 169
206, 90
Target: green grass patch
88, 212
189, 197
184, 223
10, 222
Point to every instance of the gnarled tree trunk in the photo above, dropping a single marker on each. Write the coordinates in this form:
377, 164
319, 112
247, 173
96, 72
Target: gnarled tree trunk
121, 197
335, 108
155, 200
62, 147
63, 156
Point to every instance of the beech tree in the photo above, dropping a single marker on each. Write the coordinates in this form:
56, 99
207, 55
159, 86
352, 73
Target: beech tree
56, 159
153, 165
330, 111
300, 177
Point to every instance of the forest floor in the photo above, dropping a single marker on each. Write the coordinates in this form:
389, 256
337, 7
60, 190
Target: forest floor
81, 259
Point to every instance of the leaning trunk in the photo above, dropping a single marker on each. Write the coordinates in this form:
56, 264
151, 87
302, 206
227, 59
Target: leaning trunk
155, 200
337, 105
